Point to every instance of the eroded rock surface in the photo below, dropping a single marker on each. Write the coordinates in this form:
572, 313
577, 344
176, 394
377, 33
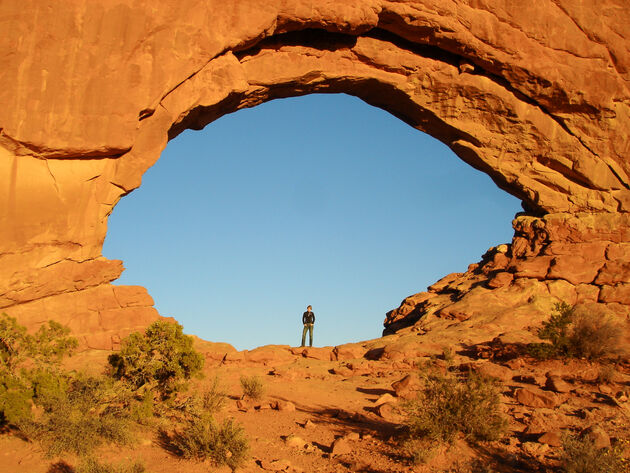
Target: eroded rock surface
536, 95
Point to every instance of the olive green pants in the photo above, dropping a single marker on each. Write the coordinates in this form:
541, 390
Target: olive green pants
309, 328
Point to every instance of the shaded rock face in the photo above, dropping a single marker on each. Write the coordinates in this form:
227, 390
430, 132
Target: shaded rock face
536, 96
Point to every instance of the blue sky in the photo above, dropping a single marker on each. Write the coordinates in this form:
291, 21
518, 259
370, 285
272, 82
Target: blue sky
320, 200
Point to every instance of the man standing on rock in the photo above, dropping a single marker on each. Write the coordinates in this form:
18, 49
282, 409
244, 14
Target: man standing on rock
308, 319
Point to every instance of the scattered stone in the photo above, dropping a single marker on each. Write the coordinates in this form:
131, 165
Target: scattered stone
534, 397
597, 435
407, 387
282, 405
535, 449
242, 405
308, 424
384, 399
557, 384
322, 354
389, 413
348, 351
340, 446
352, 436
342, 371
295, 442
553, 438
488, 369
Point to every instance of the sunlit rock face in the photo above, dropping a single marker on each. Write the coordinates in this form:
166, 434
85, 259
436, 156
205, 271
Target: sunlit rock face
535, 94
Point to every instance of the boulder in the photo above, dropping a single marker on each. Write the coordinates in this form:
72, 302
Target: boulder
534, 397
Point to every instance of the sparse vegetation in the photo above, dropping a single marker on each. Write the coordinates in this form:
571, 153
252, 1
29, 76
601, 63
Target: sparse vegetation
576, 334
448, 405
91, 465
253, 387
580, 455
201, 439
161, 359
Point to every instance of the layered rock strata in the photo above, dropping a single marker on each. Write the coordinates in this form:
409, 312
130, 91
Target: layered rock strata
535, 95
580, 259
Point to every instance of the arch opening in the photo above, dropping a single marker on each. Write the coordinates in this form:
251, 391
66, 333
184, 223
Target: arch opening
319, 200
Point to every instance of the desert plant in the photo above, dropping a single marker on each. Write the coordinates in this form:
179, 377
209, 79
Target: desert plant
91, 465
574, 333
447, 405
29, 366
162, 358
253, 387
580, 455
82, 414
202, 438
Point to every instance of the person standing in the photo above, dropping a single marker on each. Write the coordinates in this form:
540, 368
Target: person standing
308, 319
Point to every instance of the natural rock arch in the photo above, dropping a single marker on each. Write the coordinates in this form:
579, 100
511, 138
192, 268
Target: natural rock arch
535, 95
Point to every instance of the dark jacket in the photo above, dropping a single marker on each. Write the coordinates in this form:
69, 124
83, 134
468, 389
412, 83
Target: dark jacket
308, 318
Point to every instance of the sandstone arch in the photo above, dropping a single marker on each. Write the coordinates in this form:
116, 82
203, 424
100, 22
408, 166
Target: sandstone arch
536, 96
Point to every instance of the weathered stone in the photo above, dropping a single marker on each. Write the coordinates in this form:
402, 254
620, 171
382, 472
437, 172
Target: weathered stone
340, 446
407, 387
548, 124
500, 279
574, 268
323, 353
617, 293
349, 351
384, 398
534, 397
552, 438
490, 370
556, 384
597, 435
295, 442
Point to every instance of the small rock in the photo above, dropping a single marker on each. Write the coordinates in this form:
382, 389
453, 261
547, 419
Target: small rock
553, 438
535, 449
352, 436
342, 371
308, 424
534, 397
295, 442
490, 370
598, 436
286, 406
388, 412
341, 446
384, 399
407, 387
557, 384
242, 405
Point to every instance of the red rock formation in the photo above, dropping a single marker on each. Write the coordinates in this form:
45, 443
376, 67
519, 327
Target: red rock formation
535, 95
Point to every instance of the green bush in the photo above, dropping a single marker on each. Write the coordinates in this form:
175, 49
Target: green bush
29, 366
448, 405
576, 334
161, 358
91, 465
253, 387
580, 455
83, 414
203, 439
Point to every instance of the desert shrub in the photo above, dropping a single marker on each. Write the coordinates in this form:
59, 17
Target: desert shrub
29, 366
91, 465
580, 455
202, 439
161, 358
573, 333
448, 405
82, 415
253, 387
